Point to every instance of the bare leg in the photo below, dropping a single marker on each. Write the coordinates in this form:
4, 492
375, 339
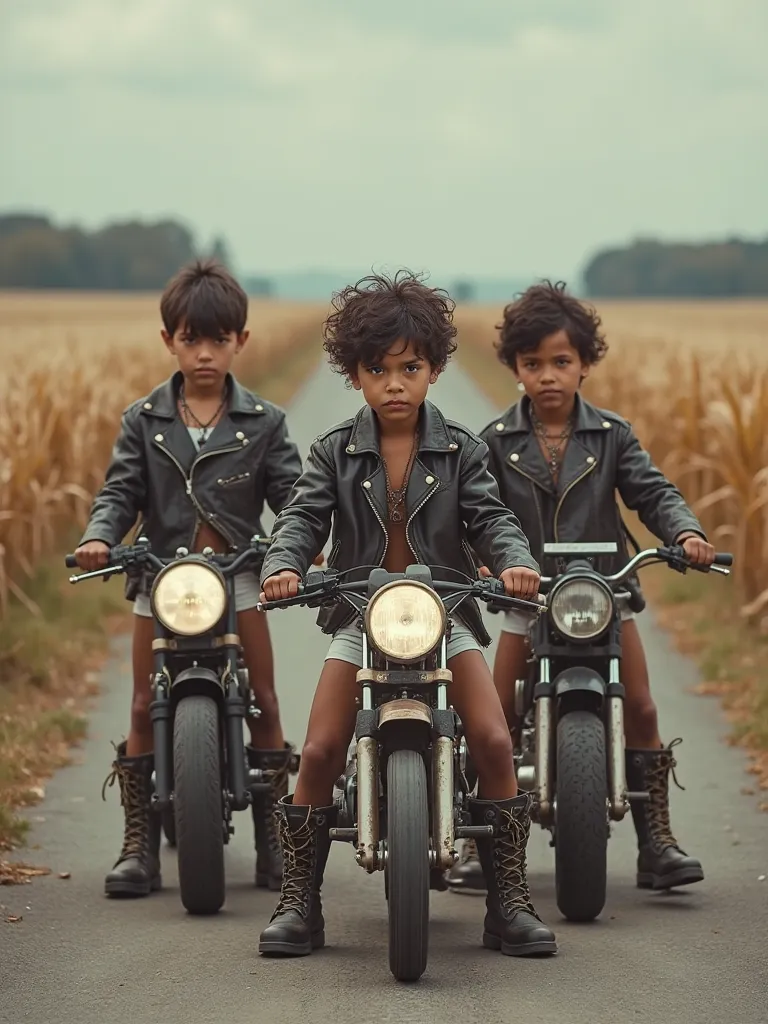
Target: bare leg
509, 665
140, 740
330, 729
641, 727
477, 702
266, 731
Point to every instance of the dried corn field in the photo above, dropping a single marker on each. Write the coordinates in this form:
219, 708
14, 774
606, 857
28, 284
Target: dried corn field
693, 380
71, 363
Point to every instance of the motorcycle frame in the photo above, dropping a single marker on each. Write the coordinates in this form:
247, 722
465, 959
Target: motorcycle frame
405, 707
210, 664
564, 673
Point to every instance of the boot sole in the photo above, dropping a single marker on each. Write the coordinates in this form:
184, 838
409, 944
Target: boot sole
292, 948
134, 890
466, 890
685, 876
525, 949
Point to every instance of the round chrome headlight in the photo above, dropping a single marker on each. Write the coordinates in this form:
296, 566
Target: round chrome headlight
581, 608
405, 621
189, 598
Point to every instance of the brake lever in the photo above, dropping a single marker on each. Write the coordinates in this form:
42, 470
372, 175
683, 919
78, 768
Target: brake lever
111, 570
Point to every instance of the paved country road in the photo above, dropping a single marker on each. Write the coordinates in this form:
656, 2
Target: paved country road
699, 955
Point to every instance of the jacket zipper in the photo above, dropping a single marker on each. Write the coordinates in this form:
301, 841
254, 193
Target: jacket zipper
207, 516
421, 504
565, 494
383, 527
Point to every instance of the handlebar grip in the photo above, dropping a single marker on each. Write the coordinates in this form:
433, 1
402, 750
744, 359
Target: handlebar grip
70, 561
723, 558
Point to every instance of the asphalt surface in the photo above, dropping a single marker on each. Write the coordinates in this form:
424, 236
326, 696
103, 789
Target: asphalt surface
697, 955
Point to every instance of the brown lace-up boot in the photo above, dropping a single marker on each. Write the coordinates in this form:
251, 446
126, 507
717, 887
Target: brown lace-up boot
511, 922
137, 870
661, 863
297, 925
276, 766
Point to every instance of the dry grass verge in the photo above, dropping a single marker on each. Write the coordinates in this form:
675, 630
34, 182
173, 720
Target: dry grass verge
693, 380
72, 363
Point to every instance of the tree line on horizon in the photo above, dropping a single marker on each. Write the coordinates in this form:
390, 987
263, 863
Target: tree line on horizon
141, 256
647, 268
123, 256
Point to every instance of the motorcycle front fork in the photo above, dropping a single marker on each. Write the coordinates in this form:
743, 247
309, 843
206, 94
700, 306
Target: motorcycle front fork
544, 746
366, 834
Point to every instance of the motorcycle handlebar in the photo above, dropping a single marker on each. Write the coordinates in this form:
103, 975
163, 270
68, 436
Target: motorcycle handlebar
121, 556
484, 590
673, 556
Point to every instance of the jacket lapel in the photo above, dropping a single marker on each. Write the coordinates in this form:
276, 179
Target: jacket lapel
523, 451
434, 436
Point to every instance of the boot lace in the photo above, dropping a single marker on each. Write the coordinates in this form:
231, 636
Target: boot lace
509, 861
658, 789
299, 851
133, 798
278, 779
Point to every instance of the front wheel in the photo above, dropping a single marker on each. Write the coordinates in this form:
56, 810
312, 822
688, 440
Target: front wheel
407, 864
581, 830
198, 804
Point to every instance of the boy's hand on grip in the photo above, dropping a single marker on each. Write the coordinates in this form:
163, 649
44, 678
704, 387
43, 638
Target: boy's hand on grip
93, 555
519, 581
320, 559
278, 588
697, 550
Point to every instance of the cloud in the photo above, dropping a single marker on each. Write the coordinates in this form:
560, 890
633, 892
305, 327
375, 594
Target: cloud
487, 136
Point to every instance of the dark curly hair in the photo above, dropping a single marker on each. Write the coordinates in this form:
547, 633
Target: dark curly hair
544, 309
371, 315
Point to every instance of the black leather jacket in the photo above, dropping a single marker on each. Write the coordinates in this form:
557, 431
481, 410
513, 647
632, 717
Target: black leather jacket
602, 458
452, 502
156, 472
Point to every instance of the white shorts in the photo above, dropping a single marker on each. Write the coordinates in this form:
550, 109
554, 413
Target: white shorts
347, 645
519, 623
247, 590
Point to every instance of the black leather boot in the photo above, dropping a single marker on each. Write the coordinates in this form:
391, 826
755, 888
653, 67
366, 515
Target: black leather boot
466, 875
511, 922
297, 925
661, 863
137, 869
276, 766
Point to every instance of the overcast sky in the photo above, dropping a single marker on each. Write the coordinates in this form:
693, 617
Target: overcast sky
477, 136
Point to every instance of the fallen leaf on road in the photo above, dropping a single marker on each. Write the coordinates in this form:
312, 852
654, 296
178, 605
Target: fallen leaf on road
14, 918
19, 874
64, 874
761, 878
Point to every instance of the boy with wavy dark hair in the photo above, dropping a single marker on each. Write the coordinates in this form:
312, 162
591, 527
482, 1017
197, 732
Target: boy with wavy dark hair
396, 485
560, 462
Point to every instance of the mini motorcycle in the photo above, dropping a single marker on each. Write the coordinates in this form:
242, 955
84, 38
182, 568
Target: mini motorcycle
570, 747
404, 796
201, 697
